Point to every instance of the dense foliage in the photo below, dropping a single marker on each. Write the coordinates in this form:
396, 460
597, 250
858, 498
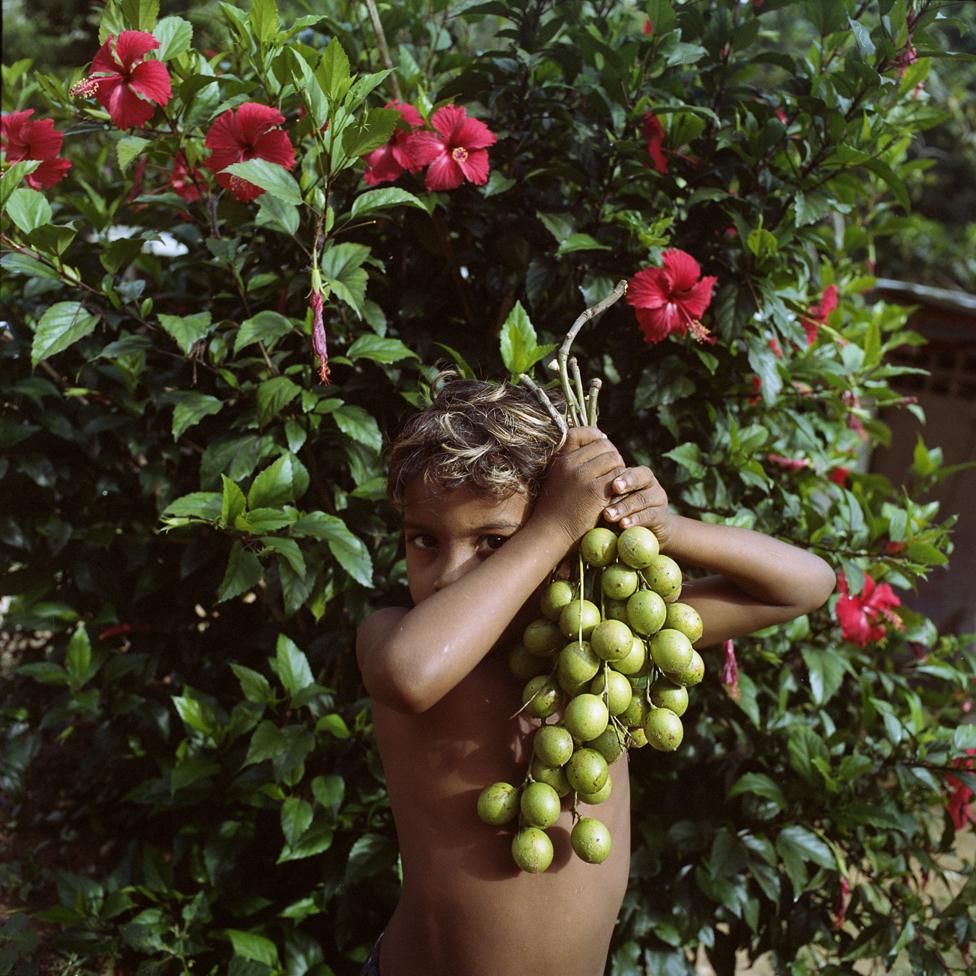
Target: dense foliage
193, 522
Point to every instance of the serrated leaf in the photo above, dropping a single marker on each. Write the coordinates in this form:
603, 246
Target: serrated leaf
175, 35
127, 148
187, 330
277, 214
273, 396
342, 271
265, 326
333, 71
271, 177
580, 242
232, 502
371, 132
761, 785
254, 685
28, 209
317, 839
356, 423
379, 349
293, 668
197, 504
382, 199
349, 551
191, 409
12, 177
248, 945
288, 550
244, 571
61, 326
281, 482
826, 669
296, 818
266, 742
517, 340
264, 20
78, 658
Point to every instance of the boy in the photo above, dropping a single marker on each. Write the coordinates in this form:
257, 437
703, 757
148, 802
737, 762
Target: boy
490, 508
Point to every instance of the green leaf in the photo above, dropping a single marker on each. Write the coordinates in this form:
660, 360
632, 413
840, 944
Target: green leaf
807, 845
249, 945
187, 330
329, 790
342, 271
349, 551
175, 35
195, 714
28, 209
334, 724
689, 456
12, 177
266, 742
61, 326
826, 669
379, 349
273, 396
272, 177
862, 37
963, 738
382, 199
78, 658
356, 423
244, 571
288, 549
232, 502
281, 482
277, 214
292, 666
24, 264
264, 20
373, 131
254, 685
261, 520
128, 147
370, 855
317, 839
198, 504
191, 409
518, 341
266, 326
762, 243
761, 785
333, 71
580, 242
296, 818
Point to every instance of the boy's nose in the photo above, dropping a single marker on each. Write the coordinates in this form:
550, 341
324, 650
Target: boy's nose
452, 569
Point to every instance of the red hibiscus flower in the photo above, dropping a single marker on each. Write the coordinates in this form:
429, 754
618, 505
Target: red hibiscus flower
859, 615
124, 82
792, 464
185, 182
671, 299
962, 795
22, 139
653, 133
817, 314
839, 475
647, 28
247, 133
387, 163
456, 152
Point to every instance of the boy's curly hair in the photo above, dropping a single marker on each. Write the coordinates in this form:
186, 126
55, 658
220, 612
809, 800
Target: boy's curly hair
496, 437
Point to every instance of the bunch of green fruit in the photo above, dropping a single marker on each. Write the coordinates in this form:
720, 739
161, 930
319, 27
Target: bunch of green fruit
607, 667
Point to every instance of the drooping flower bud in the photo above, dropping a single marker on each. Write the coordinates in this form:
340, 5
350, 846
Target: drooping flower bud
730, 671
316, 301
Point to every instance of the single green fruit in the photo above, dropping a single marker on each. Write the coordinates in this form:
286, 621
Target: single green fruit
685, 618
532, 850
618, 582
637, 739
666, 694
498, 804
671, 650
525, 665
599, 547
579, 613
609, 743
637, 546
555, 776
553, 745
646, 612
555, 596
601, 795
541, 696
577, 663
615, 610
586, 716
634, 661
539, 805
542, 637
587, 771
691, 674
663, 575
591, 840
663, 729
612, 640
617, 688
634, 714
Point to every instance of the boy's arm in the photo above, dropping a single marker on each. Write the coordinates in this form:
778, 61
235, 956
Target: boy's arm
411, 659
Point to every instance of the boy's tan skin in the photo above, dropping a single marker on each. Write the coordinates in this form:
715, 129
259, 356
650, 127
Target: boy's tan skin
442, 701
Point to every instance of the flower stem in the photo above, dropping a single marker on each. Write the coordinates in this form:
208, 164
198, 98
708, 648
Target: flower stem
547, 403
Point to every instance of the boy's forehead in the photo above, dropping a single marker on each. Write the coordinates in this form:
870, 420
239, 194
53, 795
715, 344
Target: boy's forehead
423, 502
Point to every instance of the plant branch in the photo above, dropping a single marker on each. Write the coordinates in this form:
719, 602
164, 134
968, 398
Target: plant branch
374, 16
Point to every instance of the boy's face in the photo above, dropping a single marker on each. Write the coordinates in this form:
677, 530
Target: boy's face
449, 533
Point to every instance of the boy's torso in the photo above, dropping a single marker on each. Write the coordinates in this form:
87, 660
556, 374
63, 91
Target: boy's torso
465, 909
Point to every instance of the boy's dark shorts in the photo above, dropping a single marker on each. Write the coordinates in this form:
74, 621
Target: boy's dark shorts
372, 965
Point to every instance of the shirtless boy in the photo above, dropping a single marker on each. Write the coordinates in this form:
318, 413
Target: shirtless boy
489, 510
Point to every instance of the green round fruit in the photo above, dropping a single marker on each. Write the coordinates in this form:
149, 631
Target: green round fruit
663, 729
685, 618
525, 665
666, 694
663, 575
555, 776
558, 594
532, 850
601, 795
579, 615
634, 714
577, 663
634, 660
587, 771
541, 696
610, 744
691, 674
591, 840
539, 805
615, 610
617, 688
498, 804
612, 640
553, 745
646, 612
586, 716
599, 547
637, 740
671, 650
637, 546
542, 637
618, 582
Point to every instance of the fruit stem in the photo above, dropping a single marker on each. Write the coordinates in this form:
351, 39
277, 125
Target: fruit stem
595, 385
592, 312
543, 398
580, 395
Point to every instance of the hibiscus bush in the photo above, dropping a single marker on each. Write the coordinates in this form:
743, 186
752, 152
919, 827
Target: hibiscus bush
233, 264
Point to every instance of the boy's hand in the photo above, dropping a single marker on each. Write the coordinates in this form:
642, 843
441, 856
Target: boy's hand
578, 486
639, 500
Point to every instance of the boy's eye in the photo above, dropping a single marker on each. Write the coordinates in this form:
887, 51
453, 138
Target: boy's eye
494, 541
422, 542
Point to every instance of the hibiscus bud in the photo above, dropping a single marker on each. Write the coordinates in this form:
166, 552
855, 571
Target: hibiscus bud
730, 671
319, 346
840, 904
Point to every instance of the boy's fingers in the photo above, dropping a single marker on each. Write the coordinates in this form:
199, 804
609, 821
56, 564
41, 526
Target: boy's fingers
580, 436
633, 479
635, 504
